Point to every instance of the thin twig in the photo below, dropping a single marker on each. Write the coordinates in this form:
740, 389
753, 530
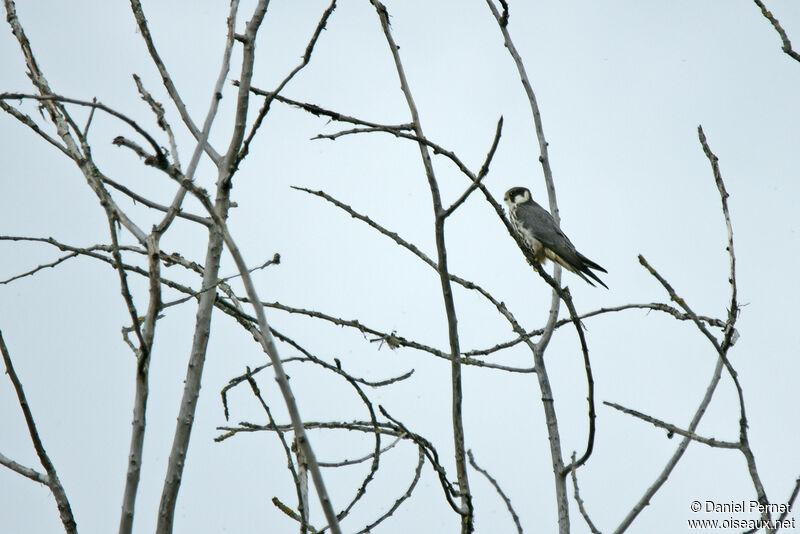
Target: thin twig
672, 429
94, 105
60, 496
730, 333
497, 488
39, 268
362, 459
154, 205
657, 306
662, 477
30, 123
267, 340
459, 449
303, 462
790, 501
221, 283
144, 31
733, 308
577, 495
202, 141
729, 337
89, 120
501, 307
318, 111
233, 382
291, 513
365, 427
27, 472
77, 150
433, 457
323, 21
402, 498
161, 118
481, 174
787, 45
286, 448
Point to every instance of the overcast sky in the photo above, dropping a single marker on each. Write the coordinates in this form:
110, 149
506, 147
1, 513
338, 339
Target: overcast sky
622, 87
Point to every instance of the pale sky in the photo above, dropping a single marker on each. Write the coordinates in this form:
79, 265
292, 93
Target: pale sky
622, 87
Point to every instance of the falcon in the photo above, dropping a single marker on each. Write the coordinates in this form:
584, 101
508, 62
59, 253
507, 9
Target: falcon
544, 239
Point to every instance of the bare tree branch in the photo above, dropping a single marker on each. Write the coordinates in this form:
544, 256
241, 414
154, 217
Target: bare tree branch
362, 459
144, 30
729, 337
94, 105
433, 457
577, 495
60, 496
497, 487
672, 429
219, 212
467, 525
730, 333
303, 503
38, 268
161, 118
789, 505
233, 382
304, 462
557, 295
733, 309
662, 477
424, 257
146, 335
387, 429
323, 21
544, 159
145, 258
154, 205
30, 123
787, 45
481, 174
89, 120
657, 306
318, 111
27, 472
367, 529
267, 343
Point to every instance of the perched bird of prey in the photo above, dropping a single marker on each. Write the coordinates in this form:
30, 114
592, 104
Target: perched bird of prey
545, 240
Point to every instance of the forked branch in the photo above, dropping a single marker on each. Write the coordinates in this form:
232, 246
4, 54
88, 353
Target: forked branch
52, 481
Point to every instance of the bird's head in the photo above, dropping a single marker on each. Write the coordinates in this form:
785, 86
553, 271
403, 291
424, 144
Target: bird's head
516, 196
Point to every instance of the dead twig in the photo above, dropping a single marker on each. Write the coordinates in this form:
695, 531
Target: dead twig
577, 495
672, 429
52, 481
787, 45
493, 482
